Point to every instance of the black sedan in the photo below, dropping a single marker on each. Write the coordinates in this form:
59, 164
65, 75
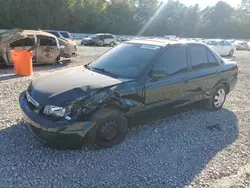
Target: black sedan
94, 102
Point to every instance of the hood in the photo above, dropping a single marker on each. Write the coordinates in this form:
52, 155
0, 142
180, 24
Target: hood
63, 87
12, 35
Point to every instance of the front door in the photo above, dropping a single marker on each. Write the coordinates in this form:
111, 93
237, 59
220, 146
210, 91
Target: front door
47, 50
172, 87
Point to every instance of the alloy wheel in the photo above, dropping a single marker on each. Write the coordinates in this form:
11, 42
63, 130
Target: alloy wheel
219, 98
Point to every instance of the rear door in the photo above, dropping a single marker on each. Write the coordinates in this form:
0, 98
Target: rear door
108, 39
47, 50
221, 48
204, 74
170, 88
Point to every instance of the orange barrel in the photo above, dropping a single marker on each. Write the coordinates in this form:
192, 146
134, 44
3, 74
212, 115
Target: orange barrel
22, 60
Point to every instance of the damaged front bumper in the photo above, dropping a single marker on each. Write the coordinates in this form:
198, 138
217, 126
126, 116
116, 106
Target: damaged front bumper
60, 133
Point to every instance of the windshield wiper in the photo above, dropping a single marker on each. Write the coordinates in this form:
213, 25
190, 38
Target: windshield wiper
106, 72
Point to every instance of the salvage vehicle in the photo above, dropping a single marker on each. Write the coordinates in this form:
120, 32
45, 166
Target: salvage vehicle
94, 103
222, 47
241, 45
101, 39
46, 47
60, 34
65, 35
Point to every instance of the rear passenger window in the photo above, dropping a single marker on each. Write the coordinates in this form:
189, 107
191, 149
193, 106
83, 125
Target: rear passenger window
198, 57
212, 62
47, 42
201, 57
174, 60
108, 37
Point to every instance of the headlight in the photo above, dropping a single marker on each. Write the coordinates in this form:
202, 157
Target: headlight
56, 111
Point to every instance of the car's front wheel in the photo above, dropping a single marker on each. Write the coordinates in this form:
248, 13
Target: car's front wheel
217, 100
110, 128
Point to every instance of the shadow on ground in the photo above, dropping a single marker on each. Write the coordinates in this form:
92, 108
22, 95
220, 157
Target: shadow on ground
168, 152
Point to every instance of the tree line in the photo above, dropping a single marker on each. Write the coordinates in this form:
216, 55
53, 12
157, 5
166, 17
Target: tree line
128, 17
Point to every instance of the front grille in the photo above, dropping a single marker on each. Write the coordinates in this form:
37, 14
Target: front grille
33, 105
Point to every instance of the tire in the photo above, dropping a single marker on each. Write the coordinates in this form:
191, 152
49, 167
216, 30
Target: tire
231, 53
112, 44
110, 129
217, 100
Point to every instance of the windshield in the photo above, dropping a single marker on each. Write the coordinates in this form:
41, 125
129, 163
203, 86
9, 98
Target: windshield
212, 43
126, 60
65, 35
92, 36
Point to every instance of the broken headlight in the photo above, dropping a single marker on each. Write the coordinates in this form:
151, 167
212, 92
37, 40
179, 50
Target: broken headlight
56, 111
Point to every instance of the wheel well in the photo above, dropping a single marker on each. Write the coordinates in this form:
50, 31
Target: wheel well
227, 86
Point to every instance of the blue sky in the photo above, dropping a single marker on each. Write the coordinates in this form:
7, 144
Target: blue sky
204, 3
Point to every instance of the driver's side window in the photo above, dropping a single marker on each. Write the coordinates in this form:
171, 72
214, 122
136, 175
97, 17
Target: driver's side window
173, 60
221, 43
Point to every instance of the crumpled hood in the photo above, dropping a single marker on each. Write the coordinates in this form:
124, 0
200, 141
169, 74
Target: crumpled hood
63, 87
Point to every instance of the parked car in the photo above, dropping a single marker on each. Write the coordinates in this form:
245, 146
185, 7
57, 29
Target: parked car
95, 102
45, 46
241, 45
101, 39
222, 47
248, 44
62, 35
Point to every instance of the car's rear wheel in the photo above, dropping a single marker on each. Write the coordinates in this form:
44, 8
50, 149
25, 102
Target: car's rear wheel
217, 100
112, 44
231, 53
110, 128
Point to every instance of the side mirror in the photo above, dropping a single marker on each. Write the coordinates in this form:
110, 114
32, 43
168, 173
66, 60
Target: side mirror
159, 73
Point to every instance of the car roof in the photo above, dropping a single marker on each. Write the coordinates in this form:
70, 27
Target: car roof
103, 34
37, 32
161, 42
55, 31
216, 40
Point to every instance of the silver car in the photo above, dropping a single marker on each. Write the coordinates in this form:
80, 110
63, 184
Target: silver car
100, 39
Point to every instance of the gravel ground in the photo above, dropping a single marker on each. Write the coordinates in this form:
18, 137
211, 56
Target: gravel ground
188, 148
